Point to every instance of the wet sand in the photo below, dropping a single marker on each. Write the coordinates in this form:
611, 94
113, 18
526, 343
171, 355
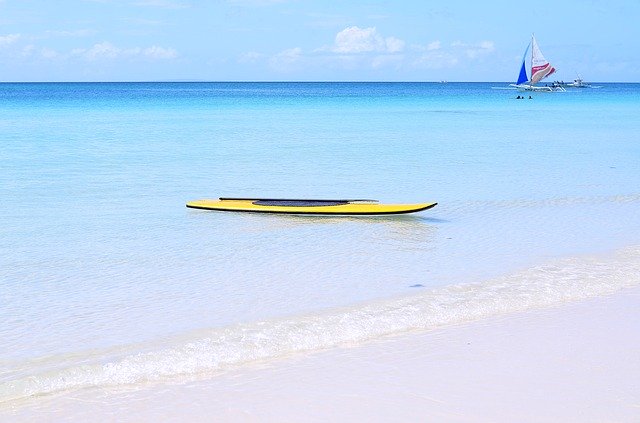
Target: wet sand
576, 362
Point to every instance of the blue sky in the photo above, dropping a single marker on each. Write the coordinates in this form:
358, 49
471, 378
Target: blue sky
297, 40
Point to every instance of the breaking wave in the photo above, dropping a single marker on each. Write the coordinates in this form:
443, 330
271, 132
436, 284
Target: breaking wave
210, 351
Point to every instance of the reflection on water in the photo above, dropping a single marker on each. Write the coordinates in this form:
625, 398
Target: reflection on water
355, 232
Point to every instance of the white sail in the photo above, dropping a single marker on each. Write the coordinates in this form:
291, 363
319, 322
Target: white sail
540, 67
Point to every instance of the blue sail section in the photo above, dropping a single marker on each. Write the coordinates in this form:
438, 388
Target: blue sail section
522, 78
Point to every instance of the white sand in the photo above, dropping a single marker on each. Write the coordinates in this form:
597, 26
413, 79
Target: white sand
576, 363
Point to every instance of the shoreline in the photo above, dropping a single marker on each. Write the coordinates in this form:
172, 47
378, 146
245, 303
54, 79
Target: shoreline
573, 362
207, 353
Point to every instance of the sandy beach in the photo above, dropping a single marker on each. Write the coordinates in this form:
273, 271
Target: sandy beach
574, 363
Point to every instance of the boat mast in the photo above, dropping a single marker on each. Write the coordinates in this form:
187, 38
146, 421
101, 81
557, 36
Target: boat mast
531, 71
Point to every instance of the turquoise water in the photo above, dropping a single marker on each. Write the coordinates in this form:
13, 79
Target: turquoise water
100, 259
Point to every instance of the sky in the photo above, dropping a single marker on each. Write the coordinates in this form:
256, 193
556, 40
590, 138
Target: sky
306, 40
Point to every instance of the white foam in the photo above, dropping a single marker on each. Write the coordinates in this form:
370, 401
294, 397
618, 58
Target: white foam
209, 351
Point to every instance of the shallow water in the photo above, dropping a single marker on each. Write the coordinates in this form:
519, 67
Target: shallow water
101, 261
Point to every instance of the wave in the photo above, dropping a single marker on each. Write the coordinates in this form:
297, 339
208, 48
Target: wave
559, 201
207, 352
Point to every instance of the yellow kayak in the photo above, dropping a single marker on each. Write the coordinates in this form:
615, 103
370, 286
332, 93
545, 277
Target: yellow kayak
316, 207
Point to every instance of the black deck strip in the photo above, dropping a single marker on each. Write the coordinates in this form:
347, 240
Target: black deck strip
297, 199
298, 203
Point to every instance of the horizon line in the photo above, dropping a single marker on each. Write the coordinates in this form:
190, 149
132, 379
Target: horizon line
285, 81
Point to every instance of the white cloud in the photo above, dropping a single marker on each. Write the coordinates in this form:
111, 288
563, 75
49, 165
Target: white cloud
487, 45
473, 51
48, 53
5, 40
434, 45
365, 48
394, 45
156, 52
285, 59
289, 55
108, 51
28, 50
251, 57
356, 40
104, 50
353, 40
77, 52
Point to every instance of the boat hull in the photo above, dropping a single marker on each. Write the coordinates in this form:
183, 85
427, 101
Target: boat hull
534, 88
309, 207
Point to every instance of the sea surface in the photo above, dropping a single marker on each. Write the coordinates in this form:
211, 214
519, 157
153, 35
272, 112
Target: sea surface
107, 280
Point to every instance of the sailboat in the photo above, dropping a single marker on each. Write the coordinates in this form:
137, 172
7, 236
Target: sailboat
540, 69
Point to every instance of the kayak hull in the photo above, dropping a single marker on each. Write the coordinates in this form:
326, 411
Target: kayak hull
311, 207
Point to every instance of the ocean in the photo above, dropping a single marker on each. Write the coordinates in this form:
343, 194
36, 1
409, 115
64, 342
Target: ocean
108, 281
